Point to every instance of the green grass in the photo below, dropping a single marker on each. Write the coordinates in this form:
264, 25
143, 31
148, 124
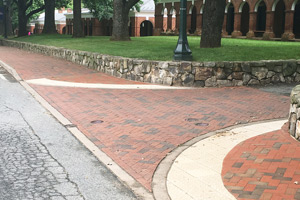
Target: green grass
162, 47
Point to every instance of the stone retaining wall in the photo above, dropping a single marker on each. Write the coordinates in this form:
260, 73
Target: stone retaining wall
294, 115
197, 74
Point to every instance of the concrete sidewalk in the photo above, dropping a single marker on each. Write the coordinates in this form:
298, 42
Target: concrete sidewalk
197, 172
137, 126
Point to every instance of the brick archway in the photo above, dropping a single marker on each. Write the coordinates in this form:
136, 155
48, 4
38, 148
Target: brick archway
296, 28
230, 18
244, 9
279, 18
146, 28
261, 9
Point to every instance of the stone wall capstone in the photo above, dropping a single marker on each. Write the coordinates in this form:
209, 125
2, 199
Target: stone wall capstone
294, 114
188, 74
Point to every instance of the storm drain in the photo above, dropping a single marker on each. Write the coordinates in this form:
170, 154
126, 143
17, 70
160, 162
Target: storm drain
96, 122
201, 124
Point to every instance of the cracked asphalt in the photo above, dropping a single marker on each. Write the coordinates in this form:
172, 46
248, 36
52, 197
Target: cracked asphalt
40, 159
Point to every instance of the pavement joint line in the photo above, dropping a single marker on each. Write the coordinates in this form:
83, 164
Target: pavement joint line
49, 82
122, 175
159, 183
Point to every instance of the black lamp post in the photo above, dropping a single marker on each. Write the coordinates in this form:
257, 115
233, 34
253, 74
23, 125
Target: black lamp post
4, 18
182, 50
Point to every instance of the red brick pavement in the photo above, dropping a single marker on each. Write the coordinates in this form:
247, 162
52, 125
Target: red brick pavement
34, 66
139, 127
264, 167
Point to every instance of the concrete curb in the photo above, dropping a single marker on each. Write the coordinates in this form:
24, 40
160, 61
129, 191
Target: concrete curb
159, 183
123, 176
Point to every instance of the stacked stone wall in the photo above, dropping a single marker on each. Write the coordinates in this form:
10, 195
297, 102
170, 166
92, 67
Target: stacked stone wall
294, 115
194, 74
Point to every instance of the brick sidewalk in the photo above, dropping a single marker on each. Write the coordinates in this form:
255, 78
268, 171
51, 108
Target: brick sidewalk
139, 127
264, 167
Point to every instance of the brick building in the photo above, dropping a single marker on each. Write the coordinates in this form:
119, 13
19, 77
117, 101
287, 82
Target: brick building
91, 25
140, 24
252, 18
36, 26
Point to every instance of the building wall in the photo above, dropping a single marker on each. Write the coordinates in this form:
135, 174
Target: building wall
283, 12
135, 24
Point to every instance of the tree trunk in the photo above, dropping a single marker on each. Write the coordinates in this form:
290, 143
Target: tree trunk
49, 25
213, 16
23, 5
120, 19
22, 18
8, 19
77, 23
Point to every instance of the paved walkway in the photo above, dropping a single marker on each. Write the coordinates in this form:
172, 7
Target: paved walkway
138, 127
257, 161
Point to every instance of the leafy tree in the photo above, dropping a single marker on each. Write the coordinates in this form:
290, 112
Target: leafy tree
213, 16
118, 9
77, 24
26, 9
8, 17
121, 10
49, 25
101, 9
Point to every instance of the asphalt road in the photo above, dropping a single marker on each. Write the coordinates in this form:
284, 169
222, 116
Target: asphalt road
40, 159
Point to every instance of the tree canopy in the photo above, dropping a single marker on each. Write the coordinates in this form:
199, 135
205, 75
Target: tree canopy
101, 9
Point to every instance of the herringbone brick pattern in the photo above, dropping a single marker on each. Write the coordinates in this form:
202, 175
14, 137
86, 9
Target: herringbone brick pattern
264, 167
138, 128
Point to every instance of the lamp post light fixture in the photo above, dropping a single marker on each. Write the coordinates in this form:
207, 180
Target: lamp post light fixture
182, 50
4, 18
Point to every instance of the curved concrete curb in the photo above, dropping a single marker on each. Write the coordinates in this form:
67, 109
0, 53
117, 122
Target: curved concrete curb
130, 182
165, 187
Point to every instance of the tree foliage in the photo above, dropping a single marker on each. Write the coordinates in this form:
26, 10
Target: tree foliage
26, 9
101, 9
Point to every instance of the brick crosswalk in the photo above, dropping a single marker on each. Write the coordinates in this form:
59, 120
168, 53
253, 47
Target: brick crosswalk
138, 128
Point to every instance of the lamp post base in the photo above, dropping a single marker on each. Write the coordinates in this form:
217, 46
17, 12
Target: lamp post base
187, 57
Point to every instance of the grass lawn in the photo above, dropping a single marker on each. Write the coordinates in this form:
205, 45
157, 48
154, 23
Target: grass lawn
162, 47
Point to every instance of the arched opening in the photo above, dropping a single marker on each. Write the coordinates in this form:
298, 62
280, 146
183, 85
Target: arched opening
279, 18
193, 20
146, 28
245, 19
261, 19
64, 30
173, 13
165, 19
90, 28
201, 12
230, 19
297, 20
85, 27
130, 29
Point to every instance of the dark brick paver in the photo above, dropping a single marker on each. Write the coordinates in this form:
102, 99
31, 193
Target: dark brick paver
274, 175
140, 127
